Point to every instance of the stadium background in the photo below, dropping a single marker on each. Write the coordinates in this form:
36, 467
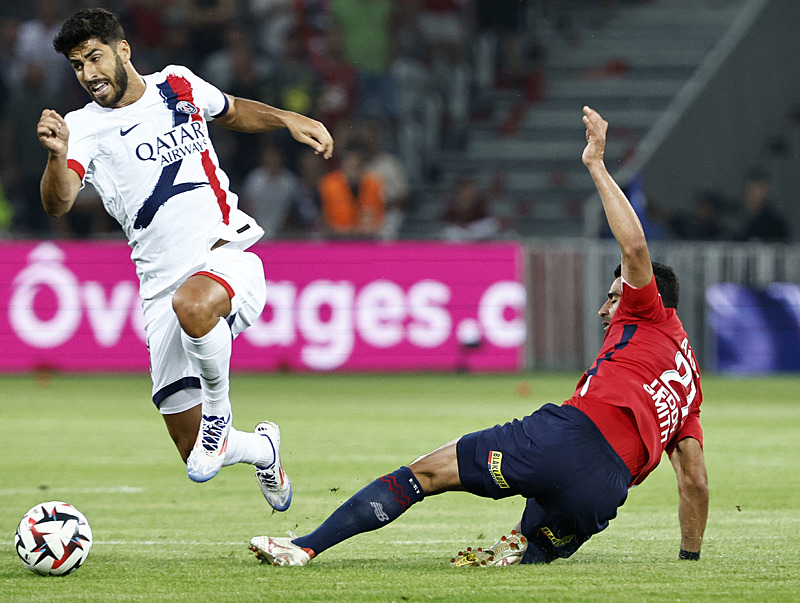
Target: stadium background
698, 92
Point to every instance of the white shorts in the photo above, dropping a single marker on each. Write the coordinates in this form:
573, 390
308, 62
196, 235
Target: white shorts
176, 387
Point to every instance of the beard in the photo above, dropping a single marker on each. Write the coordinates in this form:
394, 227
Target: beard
119, 83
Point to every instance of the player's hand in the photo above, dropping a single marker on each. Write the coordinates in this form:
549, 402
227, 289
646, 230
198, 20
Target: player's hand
53, 132
596, 128
311, 132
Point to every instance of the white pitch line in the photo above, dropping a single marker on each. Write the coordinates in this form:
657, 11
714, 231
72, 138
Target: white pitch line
233, 543
113, 490
236, 543
417, 542
171, 543
185, 543
167, 543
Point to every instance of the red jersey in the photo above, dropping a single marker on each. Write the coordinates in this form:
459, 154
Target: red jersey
646, 366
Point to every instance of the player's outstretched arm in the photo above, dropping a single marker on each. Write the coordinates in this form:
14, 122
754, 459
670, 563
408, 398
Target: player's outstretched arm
60, 185
625, 225
690, 468
251, 116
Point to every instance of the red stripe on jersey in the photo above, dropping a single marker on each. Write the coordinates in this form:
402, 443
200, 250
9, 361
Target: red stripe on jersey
182, 87
76, 167
219, 279
211, 173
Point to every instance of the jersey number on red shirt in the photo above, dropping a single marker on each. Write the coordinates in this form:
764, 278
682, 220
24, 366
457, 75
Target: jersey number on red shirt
667, 401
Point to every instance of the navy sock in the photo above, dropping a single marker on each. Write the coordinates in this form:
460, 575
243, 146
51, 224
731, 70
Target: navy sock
372, 507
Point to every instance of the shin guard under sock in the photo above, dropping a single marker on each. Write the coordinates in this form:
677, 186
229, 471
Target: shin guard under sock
372, 507
210, 356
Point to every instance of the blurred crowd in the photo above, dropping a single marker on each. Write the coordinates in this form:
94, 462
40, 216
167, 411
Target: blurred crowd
389, 78
751, 216
397, 82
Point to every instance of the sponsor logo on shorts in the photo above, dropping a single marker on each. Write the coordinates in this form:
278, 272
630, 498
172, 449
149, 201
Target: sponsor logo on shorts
557, 541
215, 271
495, 462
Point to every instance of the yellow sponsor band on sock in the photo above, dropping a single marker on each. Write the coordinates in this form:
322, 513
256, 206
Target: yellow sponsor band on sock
557, 541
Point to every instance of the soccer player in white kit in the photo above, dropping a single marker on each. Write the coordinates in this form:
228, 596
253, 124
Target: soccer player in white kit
143, 143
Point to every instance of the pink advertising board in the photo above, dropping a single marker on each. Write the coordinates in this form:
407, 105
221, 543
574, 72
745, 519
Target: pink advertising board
74, 306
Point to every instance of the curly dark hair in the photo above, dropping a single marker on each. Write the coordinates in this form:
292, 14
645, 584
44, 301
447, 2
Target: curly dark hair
85, 24
666, 281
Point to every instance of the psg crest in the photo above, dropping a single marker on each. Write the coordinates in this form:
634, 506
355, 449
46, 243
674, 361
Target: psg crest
185, 107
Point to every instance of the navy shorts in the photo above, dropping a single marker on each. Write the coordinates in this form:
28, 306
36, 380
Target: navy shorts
558, 459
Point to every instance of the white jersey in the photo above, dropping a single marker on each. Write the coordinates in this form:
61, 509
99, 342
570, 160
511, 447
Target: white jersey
154, 167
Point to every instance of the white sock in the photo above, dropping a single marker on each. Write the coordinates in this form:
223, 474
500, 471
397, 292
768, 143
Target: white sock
210, 356
248, 447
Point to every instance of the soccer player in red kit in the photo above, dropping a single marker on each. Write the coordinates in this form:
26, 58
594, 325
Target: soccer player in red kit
573, 463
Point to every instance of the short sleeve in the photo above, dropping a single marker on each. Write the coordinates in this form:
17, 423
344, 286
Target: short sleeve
690, 429
643, 303
208, 97
82, 146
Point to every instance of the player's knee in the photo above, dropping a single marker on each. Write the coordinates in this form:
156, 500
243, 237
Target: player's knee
434, 477
696, 486
438, 471
195, 314
425, 478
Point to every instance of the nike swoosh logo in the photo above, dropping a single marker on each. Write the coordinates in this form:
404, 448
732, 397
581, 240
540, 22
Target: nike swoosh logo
123, 132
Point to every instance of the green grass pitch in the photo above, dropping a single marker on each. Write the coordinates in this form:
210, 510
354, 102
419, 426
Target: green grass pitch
97, 443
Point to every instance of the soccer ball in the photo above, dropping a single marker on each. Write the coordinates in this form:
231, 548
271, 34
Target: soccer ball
53, 539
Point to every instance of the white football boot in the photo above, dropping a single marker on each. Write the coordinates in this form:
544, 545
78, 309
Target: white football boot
278, 551
206, 458
275, 484
506, 551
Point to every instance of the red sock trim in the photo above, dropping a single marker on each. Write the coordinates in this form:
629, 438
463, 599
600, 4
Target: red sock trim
402, 499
